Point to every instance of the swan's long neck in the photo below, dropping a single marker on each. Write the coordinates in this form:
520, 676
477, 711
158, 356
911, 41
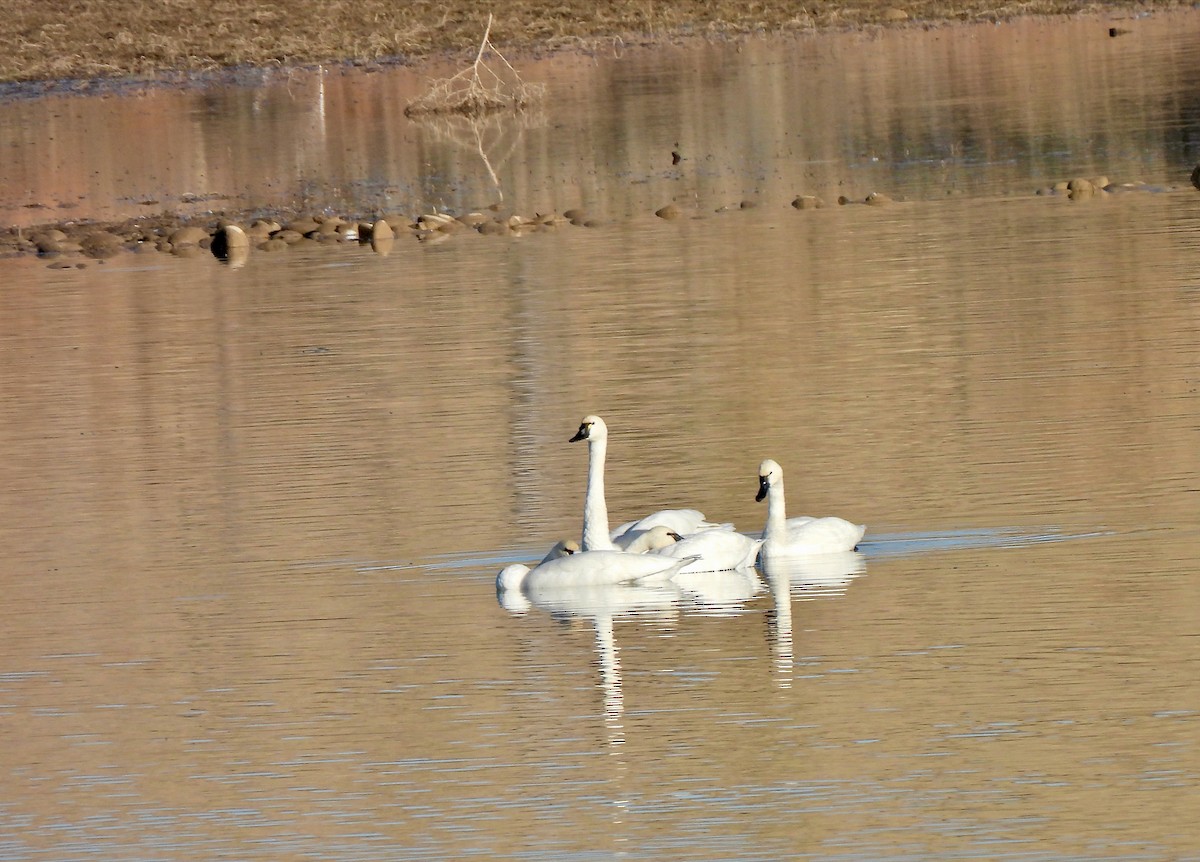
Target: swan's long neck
595, 510
776, 528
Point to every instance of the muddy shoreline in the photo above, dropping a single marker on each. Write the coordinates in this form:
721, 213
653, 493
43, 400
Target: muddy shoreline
46, 46
72, 242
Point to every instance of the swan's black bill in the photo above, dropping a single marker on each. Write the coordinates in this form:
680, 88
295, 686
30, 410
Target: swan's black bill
581, 434
763, 487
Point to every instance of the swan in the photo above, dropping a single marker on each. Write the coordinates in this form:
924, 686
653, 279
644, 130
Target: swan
716, 550
802, 535
596, 536
590, 568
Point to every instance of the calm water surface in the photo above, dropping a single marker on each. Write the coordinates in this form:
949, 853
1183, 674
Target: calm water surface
253, 516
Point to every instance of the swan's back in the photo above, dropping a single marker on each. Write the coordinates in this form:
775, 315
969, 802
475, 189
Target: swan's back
602, 567
682, 521
717, 550
822, 535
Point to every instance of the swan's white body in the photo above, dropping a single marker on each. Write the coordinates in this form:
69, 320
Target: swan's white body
596, 536
716, 550
801, 535
590, 568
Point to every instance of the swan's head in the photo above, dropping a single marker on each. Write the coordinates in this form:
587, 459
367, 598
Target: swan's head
653, 539
591, 428
563, 548
511, 577
769, 473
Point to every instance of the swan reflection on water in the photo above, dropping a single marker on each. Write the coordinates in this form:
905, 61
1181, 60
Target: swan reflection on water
657, 603
803, 578
601, 605
718, 593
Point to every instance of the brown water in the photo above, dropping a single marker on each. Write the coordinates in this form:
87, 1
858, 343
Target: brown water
253, 515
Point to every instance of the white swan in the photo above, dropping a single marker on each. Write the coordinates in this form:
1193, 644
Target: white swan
596, 536
716, 550
590, 568
801, 535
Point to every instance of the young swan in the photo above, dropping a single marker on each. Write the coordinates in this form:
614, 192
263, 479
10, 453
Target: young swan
596, 536
715, 550
801, 535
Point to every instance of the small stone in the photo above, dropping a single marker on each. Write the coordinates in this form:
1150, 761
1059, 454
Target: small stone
670, 211
494, 228
381, 230
187, 236
235, 237
1196, 176
273, 244
1079, 188
231, 244
877, 199
808, 202
435, 221
303, 225
47, 241
100, 244
50, 245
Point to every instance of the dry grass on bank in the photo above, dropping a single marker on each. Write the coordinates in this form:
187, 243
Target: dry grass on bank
42, 40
